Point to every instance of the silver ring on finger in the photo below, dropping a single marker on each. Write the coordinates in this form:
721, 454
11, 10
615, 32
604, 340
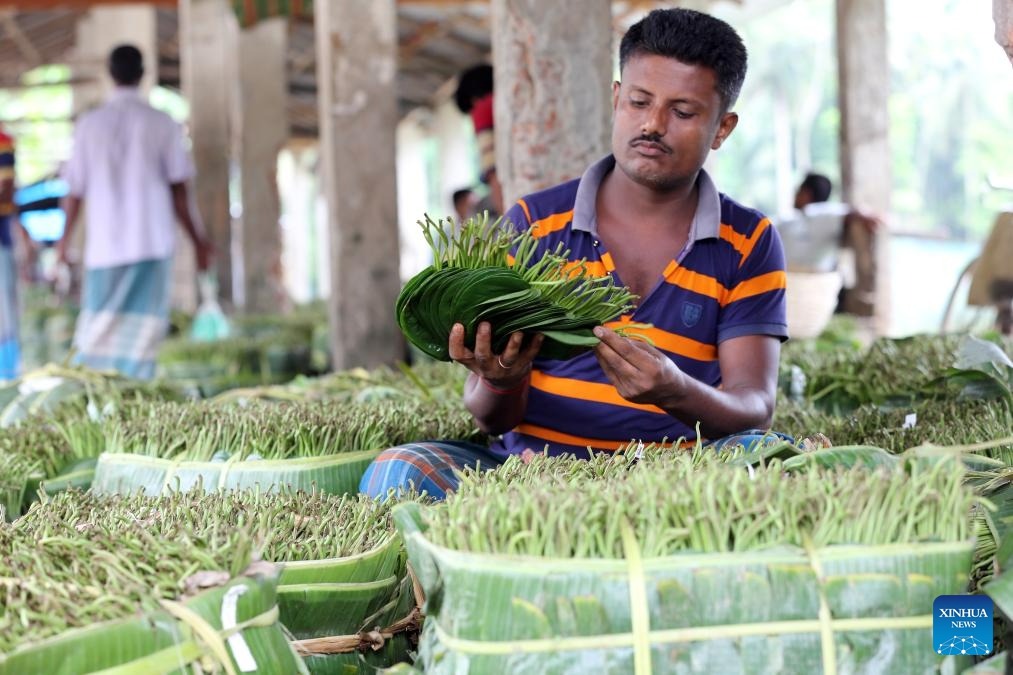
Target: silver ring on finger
504, 366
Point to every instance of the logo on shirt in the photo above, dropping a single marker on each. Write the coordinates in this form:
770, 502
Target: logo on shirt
962, 625
691, 313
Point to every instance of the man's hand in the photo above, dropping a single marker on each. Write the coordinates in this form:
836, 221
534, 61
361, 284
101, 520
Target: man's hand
503, 371
204, 251
639, 372
62, 255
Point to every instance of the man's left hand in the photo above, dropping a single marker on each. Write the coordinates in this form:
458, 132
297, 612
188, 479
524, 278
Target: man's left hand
640, 373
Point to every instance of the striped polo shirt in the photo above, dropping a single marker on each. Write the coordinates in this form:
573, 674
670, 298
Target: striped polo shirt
6, 173
727, 282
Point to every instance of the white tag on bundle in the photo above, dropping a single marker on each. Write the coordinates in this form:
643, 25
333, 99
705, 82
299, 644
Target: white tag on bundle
237, 644
910, 420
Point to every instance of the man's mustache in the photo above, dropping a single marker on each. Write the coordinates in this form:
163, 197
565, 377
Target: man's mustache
651, 138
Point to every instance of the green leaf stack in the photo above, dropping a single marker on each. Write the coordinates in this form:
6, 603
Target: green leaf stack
486, 272
677, 566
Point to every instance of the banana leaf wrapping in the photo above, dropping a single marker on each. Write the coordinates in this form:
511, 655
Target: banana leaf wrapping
232, 627
117, 473
353, 614
839, 609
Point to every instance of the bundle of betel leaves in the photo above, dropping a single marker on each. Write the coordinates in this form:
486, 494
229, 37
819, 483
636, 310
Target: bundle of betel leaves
488, 272
737, 571
200, 431
343, 565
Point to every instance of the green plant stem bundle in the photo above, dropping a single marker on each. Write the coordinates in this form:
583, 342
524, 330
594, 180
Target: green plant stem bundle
486, 272
203, 432
82, 558
713, 508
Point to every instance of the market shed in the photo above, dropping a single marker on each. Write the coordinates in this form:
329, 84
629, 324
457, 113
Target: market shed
263, 74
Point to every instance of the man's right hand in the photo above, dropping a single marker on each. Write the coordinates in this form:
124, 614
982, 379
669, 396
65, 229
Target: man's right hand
503, 371
204, 252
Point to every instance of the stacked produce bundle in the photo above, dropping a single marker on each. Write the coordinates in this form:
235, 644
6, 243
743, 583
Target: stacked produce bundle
300, 445
428, 380
83, 592
485, 272
343, 590
53, 428
670, 566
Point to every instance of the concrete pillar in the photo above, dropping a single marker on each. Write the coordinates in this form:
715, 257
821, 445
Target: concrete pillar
356, 69
1002, 12
864, 91
208, 37
553, 104
262, 128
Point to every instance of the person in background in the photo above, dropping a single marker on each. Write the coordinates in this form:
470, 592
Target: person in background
129, 167
474, 97
465, 201
709, 274
10, 351
814, 188
856, 236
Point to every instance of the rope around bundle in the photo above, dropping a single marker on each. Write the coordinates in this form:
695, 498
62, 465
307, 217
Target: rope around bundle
367, 639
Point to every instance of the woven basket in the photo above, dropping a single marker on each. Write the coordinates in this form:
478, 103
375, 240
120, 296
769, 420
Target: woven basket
811, 298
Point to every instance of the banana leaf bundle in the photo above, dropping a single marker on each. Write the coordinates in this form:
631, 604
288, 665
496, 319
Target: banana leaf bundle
79, 596
299, 444
485, 272
426, 380
40, 392
61, 440
676, 569
343, 564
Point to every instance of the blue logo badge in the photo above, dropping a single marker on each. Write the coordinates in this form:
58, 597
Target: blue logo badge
962, 625
691, 313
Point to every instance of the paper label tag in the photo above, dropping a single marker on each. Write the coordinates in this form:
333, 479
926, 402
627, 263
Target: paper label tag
910, 420
237, 644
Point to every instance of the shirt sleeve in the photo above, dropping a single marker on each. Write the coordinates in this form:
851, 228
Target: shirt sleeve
178, 163
73, 170
756, 299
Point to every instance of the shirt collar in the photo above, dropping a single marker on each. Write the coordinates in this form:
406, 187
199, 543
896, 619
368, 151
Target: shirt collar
125, 94
706, 222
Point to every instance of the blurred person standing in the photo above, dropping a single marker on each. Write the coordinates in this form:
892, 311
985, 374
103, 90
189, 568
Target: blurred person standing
10, 352
474, 97
130, 166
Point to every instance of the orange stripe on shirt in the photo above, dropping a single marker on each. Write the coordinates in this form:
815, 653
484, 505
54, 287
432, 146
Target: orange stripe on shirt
696, 282
549, 224
771, 281
743, 244
591, 268
586, 391
524, 207
676, 344
551, 436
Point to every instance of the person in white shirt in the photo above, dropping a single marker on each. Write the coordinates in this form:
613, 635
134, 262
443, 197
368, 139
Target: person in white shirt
129, 167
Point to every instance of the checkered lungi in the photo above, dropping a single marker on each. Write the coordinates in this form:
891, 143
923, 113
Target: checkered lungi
433, 465
10, 351
124, 317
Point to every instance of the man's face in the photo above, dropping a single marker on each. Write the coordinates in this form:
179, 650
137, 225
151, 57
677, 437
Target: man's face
667, 117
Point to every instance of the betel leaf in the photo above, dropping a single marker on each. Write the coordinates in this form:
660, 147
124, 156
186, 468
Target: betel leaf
472, 280
982, 370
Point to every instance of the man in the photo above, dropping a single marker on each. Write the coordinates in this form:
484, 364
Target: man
465, 201
709, 274
130, 167
10, 352
474, 97
814, 188
854, 234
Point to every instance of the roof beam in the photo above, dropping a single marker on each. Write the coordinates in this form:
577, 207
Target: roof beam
36, 5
